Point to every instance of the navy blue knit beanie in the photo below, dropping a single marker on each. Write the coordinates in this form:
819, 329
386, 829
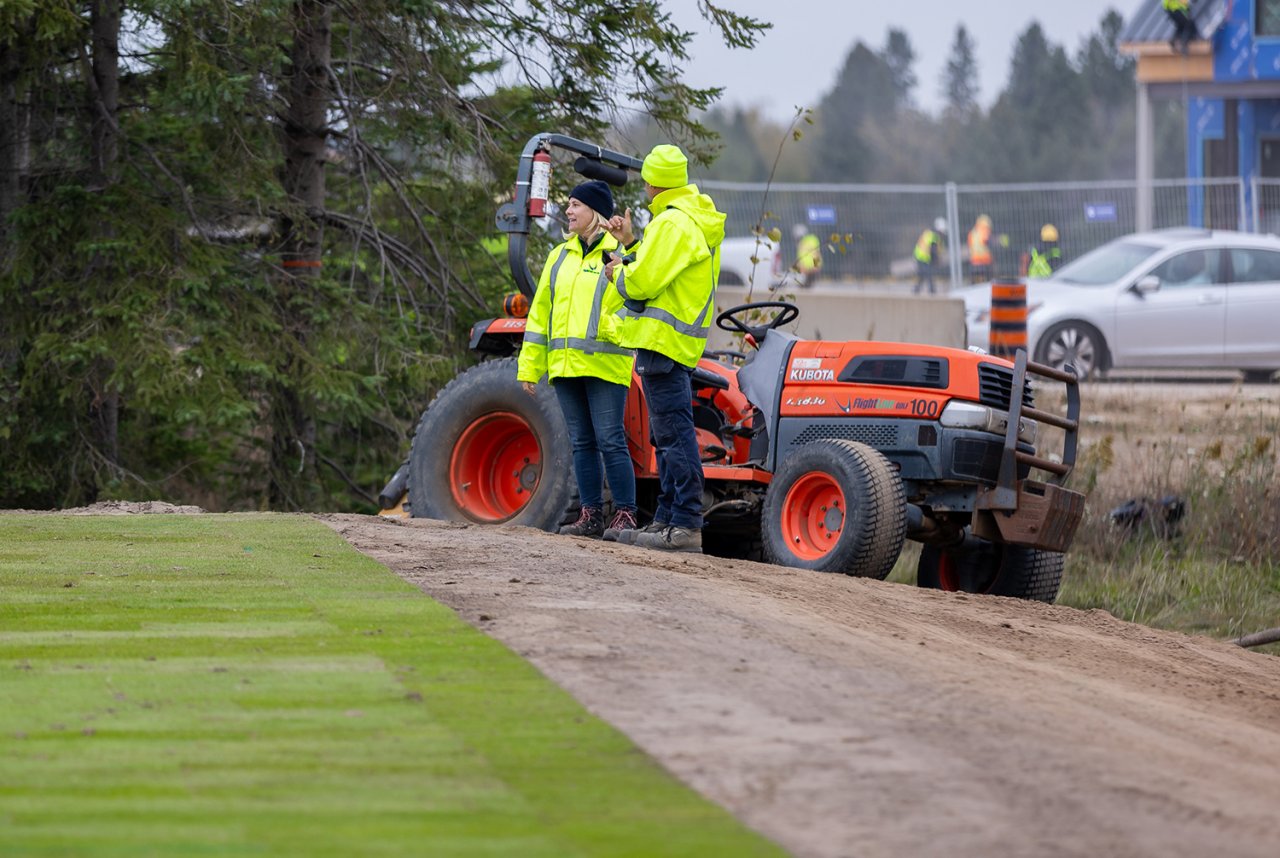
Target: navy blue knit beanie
596, 196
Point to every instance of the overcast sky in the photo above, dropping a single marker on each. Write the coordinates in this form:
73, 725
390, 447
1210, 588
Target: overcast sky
796, 62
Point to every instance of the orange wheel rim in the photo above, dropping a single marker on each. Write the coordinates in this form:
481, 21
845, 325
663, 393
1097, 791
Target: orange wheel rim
495, 467
813, 515
959, 577
947, 578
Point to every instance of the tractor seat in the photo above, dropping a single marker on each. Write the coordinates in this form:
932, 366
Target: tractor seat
707, 378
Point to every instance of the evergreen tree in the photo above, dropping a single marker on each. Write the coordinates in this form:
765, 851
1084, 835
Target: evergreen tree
739, 158
864, 92
960, 76
1107, 76
1036, 121
239, 262
900, 58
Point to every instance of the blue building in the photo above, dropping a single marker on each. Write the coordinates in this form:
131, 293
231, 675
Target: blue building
1229, 80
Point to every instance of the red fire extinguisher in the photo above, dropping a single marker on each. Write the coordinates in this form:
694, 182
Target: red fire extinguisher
540, 183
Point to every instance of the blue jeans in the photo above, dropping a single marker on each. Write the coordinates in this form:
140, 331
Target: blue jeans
669, 397
593, 410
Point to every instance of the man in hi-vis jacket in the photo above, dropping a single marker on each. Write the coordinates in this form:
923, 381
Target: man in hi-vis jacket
668, 290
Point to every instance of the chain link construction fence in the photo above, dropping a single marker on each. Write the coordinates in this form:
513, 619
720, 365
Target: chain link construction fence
868, 232
1265, 200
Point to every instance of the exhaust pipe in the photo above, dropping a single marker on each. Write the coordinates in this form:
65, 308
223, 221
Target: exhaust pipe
922, 527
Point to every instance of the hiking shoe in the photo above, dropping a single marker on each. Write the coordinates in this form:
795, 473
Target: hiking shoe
623, 520
590, 523
628, 537
674, 538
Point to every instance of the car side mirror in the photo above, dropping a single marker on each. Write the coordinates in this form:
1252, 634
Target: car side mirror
1150, 283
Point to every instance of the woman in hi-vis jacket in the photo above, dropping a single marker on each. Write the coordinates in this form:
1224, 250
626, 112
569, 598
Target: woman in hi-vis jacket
574, 304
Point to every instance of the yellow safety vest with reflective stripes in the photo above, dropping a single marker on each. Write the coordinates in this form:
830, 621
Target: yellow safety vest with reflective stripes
573, 318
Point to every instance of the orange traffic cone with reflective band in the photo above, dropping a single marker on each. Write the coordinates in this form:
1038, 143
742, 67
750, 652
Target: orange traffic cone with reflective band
1008, 316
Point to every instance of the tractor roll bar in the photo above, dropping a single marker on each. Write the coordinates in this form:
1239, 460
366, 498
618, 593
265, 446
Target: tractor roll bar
513, 218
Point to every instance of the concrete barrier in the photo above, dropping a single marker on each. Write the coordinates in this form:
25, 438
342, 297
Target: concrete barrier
841, 314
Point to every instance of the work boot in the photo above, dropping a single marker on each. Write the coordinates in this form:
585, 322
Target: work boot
673, 538
590, 523
629, 537
624, 521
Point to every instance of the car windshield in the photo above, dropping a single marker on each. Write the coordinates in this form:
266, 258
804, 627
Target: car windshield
1107, 264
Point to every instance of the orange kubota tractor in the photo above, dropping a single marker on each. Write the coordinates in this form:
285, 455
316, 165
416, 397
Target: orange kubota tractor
818, 455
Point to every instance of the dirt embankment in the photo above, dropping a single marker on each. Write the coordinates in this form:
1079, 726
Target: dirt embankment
846, 717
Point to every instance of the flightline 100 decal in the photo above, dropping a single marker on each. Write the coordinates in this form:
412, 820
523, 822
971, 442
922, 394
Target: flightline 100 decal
915, 407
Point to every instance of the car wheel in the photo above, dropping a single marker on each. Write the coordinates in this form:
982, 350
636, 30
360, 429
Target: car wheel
1073, 343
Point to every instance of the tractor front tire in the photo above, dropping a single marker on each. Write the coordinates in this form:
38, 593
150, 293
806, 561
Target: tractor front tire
835, 506
487, 452
995, 569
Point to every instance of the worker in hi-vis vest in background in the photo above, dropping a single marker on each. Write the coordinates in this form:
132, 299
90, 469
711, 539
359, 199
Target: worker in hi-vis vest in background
979, 240
808, 254
1046, 255
926, 254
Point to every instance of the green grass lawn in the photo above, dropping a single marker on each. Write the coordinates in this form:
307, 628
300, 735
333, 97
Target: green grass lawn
250, 685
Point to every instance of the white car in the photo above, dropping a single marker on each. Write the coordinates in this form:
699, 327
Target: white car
743, 256
1174, 298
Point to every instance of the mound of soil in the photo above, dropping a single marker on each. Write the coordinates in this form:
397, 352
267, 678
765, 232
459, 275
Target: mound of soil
133, 508
842, 716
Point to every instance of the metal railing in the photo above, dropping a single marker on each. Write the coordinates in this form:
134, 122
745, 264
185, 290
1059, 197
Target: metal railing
868, 232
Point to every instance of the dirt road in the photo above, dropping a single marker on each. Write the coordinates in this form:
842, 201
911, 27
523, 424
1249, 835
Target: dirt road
844, 717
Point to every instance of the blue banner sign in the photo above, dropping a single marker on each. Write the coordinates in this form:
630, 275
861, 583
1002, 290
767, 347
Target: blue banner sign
822, 215
1100, 212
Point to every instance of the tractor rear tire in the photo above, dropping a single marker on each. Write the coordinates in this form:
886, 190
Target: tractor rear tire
487, 452
835, 506
995, 569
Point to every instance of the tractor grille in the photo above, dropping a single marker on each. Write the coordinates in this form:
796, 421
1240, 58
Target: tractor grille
979, 459
878, 436
973, 457
995, 384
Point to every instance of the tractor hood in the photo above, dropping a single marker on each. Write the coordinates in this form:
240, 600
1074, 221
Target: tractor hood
789, 377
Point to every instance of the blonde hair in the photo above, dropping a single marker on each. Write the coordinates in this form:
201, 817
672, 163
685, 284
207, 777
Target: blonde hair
598, 224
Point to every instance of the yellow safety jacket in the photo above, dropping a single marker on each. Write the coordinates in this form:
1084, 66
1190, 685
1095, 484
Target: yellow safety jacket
573, 310
809, 254
924, 245
671, 284
1043, 260
1176, 5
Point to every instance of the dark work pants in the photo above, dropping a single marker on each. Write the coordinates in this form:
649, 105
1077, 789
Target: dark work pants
669, 397
1184, 29
924, 274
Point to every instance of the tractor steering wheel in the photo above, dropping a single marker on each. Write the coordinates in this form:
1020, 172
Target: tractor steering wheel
729, 321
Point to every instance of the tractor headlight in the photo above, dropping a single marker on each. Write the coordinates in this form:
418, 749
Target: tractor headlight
969, 415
